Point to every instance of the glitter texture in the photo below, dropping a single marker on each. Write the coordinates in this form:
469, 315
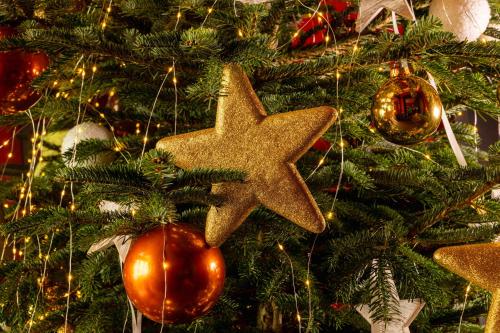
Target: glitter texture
265, 147
479, 264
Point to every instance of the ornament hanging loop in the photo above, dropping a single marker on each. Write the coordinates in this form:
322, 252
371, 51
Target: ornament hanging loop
400, 68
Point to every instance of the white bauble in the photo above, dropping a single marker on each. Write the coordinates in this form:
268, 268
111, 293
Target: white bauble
82, 132
106, 206
466, 19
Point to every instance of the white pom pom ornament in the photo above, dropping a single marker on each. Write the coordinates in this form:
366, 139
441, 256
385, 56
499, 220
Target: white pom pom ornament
82, 132
466, 19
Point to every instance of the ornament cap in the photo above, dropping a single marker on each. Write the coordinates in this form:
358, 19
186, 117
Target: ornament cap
400, 68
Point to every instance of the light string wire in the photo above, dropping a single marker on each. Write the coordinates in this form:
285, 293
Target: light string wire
10, 153
165, 285
145, 139
322, 160
295, 295
467, 290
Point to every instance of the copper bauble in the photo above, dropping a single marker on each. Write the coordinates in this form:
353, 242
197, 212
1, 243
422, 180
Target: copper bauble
17, 69
406, 109
178, 258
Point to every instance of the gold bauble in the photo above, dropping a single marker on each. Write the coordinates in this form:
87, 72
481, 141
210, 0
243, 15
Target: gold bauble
264, 147
406, 110
479, 264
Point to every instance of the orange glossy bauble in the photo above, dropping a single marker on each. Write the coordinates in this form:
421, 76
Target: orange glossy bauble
171, 275
18, 68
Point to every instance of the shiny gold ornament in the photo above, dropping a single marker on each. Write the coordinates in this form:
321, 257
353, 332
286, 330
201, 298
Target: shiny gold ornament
479, 264
406, 109
265, 147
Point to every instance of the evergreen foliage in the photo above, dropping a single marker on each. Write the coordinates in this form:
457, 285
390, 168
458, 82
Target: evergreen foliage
393, 203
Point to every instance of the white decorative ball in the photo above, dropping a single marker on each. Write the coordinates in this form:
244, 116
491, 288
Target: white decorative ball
106, 206
82, 132
466, 19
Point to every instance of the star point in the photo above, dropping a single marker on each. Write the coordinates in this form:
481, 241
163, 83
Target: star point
479, 264
265, 147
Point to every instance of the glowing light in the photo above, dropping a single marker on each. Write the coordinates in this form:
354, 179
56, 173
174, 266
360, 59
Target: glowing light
321, 162
94, 69
298, 317
213, 266
141, 269
329, 215
240, 33
427, 156
210, 10
436, 112
281, 247
179, 15
308, 283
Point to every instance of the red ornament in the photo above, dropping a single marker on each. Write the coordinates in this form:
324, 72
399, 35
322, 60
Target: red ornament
18, 68
348, 187
6, 32
337, 5
171, 275
106, 102
401, 29
322, 145
338, 306
313, 29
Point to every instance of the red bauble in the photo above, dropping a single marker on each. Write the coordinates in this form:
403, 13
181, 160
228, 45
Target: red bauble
336, 15
322, 145
172, 275
337, 5
6, 32
338, 306
401, 29
17, 69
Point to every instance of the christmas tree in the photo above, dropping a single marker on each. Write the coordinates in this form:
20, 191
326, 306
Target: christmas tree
249, 166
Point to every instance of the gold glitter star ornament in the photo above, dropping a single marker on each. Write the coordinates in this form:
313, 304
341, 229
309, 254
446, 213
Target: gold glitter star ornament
264, 147
479, 264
